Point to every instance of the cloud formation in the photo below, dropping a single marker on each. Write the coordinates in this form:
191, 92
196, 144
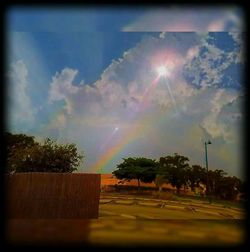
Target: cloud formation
19, 111
178, 110
61, 85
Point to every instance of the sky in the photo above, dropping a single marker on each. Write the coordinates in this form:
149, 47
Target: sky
140, 82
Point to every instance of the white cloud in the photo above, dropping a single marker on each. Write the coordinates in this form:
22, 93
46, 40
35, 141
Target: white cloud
206, 63
211, 123
119, 99
239, 54
192, 52
61, 85
20, 112
113, 94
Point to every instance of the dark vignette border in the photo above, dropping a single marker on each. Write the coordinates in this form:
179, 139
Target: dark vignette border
110, 4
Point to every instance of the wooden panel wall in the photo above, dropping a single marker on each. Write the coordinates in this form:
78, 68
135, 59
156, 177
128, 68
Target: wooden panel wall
52, 195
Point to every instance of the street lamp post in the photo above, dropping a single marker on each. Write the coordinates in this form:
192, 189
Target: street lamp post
206, 143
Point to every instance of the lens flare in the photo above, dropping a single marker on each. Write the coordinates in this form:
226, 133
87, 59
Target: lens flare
162, 71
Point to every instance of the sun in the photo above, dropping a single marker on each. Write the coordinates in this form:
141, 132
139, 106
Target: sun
162, 71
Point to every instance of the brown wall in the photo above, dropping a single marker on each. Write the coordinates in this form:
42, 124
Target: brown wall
109, 179
52, 195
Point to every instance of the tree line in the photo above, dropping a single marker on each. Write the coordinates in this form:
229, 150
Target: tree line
24, 154
175, 169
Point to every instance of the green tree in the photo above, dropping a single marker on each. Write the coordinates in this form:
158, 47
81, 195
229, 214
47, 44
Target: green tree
228, 188
142, 169
223, 187
243, 189
174, 169
14, 141
160, 180
162, 173
17, 149
214, 179
49, 156
196, 175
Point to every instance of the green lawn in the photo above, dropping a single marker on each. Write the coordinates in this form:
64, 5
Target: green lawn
225, 203
142, 220
162, 232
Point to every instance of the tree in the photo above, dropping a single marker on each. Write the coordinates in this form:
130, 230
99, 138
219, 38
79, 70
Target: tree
223, 187
160, 179
174, 169
17, 146
59, 158
18, 141
142, 169
196, 175
243, 189
26, 155
162, 174
228, 188
214, 179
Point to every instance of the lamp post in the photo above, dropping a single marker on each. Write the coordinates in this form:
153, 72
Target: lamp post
206, 143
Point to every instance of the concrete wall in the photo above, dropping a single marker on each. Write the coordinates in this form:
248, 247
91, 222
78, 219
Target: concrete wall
52, 195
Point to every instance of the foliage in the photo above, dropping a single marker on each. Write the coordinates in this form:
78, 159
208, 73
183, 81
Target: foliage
214, 179
26, 155
196, 175
142, 169
160, 179
18, 141
174, 169
229, 188
17, 149
223, 187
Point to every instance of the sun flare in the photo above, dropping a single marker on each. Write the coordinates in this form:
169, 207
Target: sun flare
162, 71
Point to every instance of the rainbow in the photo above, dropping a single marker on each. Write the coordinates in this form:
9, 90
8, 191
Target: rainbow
135, 131
111, 153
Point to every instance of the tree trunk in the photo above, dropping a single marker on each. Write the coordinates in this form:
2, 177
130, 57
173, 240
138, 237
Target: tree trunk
192, 187
178, 190
138, 184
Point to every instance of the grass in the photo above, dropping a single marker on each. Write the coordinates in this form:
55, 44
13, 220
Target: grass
134, 220
225, 203
166, 209
179, 198
140, 211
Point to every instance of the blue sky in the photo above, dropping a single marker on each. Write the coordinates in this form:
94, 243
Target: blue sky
84, 75
87, 19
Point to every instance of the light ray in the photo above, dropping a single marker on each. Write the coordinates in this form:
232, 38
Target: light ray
162, 71
108, 139
135, 130
171, 95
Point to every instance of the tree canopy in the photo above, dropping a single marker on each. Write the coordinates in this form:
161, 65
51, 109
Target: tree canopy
195, 176
174, 168
140, 168
24, 154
